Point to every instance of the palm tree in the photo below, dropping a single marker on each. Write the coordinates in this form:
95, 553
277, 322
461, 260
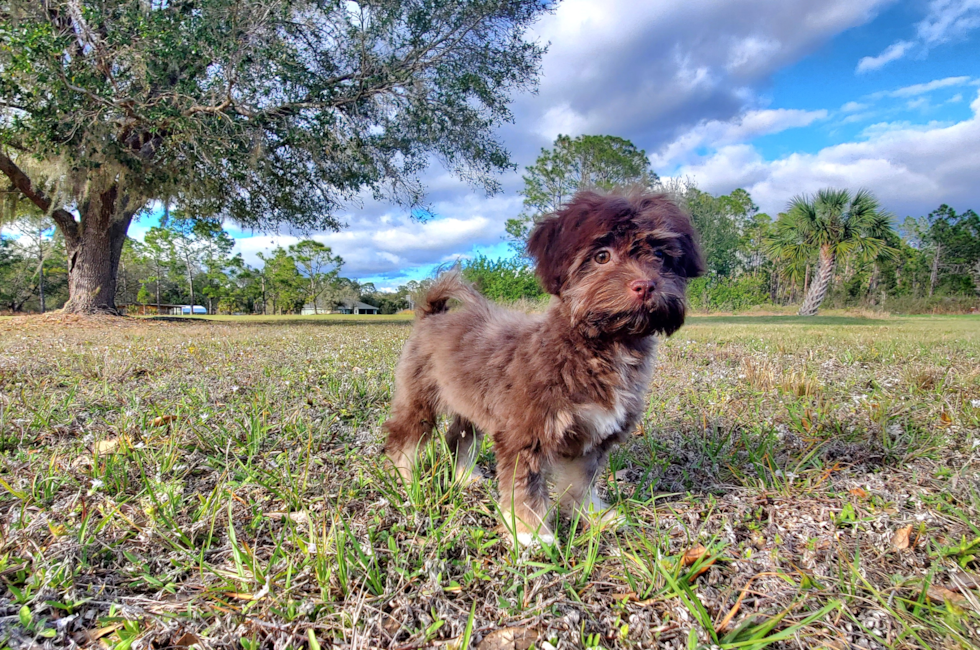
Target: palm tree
830, 224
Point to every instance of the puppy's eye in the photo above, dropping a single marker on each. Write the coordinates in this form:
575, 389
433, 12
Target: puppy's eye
601, 257
659, 254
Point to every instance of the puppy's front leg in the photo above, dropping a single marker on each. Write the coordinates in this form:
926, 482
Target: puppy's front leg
575, 484
463, 439
523, 495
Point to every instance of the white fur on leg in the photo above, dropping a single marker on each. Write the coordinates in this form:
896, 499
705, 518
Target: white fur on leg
468, 475
404, 463
599, 513
533, 539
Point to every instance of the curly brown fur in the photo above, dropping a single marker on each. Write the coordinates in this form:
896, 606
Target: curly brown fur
555, 391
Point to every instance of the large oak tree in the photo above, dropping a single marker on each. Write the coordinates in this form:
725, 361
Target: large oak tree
266, 112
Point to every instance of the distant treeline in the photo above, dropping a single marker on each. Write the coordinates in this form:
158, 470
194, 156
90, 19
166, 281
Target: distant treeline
927, 263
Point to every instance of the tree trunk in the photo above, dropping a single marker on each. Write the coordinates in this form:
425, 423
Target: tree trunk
934, 276
94, 250
190, 281
873, 282
821, 280
40, 284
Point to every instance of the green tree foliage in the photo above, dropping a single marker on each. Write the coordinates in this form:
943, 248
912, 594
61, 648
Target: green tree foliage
721, 223
284, 289
505, 280
954, 243
34, 269
573, 164
829, 225
319, 265
263, 113
388, 302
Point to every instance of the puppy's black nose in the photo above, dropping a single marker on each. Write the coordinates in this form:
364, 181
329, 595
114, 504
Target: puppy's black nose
642, 288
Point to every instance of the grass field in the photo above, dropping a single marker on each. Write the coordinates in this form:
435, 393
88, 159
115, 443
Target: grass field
795, 483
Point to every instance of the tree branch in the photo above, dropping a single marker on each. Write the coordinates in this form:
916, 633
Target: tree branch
64, 219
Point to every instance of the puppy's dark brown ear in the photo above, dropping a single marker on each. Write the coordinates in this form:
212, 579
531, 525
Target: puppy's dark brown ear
692, 261
543, 246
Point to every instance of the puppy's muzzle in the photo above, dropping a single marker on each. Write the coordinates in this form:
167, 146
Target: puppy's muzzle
643, 289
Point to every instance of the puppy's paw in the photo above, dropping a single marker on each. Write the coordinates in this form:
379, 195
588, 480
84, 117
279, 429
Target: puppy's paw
527, 539
469, 476
403, 465
609, 518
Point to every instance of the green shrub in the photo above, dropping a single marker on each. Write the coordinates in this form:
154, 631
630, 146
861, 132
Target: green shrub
505, 280
719, 293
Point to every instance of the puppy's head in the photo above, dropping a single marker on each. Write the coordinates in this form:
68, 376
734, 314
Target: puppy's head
620, 262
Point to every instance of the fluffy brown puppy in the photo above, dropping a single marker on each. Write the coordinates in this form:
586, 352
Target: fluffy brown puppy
556, 390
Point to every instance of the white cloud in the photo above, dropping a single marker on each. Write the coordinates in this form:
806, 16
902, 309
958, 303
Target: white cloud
948, 20
893, 52
377, 243
561, 120
921, 89
647, 70
945, 21
852, 107
912, 169
716, 133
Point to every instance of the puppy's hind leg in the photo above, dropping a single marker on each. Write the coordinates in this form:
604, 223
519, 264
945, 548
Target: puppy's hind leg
411, 422
463, 439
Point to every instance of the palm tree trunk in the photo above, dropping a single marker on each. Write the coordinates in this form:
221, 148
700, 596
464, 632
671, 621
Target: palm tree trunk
873, 283
820, 283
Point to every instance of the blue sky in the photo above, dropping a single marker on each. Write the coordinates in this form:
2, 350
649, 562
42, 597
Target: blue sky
776, 96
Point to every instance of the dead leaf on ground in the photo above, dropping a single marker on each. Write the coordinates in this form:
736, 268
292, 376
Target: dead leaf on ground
108, 446
239, 595
942, 594
695, 554
963, 580
391, 625
633, 598
300, 517
860, 493
186, 640
91, 636
509, 638
83, 460
161, 420
901, 540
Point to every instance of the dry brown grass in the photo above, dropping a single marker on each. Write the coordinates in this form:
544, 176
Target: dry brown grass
795, 483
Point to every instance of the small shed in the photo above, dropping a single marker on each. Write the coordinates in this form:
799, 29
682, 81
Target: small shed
162, 309
356, 307
348, 307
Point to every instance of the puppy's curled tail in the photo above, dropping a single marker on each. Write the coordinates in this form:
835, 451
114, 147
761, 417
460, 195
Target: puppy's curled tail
448, 286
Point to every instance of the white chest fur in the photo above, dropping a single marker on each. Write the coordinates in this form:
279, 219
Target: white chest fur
602, 421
